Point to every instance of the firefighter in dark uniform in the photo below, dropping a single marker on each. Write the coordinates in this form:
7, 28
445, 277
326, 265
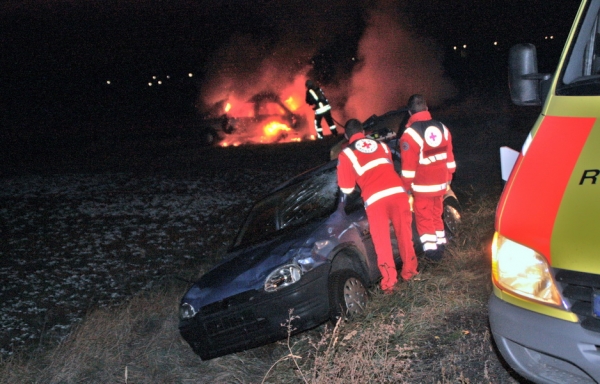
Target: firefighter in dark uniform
316, 98
368, 164
427, 168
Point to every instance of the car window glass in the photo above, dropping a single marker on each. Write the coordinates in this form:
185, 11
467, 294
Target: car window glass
316, 198
260, 222
581, 76
292, 206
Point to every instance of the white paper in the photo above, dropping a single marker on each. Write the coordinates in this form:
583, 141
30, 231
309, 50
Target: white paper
508, 158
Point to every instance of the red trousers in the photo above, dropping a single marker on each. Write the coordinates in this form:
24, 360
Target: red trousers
428, 217
394, 208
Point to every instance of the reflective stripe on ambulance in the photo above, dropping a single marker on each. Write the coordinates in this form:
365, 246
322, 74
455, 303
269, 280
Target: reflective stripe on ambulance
548, 202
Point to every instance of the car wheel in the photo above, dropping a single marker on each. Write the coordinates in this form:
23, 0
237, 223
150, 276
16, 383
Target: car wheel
451, 215
348, 294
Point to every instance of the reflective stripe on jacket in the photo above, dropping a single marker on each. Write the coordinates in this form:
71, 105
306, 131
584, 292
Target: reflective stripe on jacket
369, 164
427, 156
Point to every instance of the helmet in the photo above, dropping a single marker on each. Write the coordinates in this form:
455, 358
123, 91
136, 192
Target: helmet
309, 84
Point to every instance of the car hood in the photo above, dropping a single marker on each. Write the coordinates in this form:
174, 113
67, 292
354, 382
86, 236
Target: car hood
247, 268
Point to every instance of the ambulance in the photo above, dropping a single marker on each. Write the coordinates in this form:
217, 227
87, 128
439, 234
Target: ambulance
544, 310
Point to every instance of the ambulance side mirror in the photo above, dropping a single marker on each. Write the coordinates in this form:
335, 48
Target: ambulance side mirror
527, 86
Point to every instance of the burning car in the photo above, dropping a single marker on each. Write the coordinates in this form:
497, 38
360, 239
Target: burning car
264, 118
304, 255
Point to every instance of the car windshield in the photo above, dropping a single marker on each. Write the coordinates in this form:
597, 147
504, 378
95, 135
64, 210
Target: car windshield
581, 76
290, 207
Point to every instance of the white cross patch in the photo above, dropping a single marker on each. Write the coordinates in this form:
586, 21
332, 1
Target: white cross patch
433, 136
366, 145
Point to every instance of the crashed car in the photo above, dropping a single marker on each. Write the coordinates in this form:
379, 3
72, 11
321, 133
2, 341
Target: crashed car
304, 255
262, 111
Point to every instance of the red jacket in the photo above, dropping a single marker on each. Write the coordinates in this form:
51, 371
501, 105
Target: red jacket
369, 164
427, 156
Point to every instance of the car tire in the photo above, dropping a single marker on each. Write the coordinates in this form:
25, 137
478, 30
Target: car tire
348, 294
451, 216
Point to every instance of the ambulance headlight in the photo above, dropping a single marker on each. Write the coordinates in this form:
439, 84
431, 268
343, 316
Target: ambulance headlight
521, 271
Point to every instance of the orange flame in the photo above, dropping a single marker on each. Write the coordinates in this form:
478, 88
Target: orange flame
274, 128
227, 107
291, 103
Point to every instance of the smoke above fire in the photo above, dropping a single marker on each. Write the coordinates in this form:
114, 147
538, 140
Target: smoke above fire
394, 63
390, 62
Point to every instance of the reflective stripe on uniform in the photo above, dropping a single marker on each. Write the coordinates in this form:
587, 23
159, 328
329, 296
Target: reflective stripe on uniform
347, 190
429, 246
317, 128
409, 174
415, 136
323, 109
360, 170
433, 159
381, 194
451, 165
430, 188
441, 237
429, 242
428, 238
419, 140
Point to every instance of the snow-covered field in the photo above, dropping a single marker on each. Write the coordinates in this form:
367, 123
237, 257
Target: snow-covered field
70, 242
94, 225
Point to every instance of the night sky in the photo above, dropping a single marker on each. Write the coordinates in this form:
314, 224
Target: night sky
58, 56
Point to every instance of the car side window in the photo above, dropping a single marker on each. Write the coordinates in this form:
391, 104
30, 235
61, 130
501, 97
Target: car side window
581, 75
314, 199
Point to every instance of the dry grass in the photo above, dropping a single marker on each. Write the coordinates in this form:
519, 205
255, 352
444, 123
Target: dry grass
431, 331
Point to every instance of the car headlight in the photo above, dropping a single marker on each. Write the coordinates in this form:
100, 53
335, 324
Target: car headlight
524, 272
282, 277
186, 311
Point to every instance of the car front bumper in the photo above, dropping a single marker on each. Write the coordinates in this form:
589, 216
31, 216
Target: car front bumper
256, 318
542, 348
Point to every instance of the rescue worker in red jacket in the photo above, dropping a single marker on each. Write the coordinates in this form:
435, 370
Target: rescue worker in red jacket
368, 164
316, 98
427, 169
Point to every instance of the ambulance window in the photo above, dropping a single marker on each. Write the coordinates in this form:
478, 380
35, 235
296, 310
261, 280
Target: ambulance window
581, 76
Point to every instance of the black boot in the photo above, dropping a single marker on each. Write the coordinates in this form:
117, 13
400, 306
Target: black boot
434, 255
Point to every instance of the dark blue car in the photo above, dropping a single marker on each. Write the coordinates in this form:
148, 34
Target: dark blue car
304, 251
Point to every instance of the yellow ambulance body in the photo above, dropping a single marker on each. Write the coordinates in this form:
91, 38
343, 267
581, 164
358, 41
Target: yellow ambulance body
545, 307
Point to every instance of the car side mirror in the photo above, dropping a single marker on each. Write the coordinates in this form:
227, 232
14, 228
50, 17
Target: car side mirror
526, 85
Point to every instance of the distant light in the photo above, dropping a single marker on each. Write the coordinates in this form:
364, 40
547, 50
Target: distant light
108, 82
455, 47
495, 43
168, 77
153, 77
190, 74
551, 37
465, 46
150, 84
159, 82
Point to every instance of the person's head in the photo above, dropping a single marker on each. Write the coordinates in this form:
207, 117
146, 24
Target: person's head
352, 127
416, 103
310, 84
